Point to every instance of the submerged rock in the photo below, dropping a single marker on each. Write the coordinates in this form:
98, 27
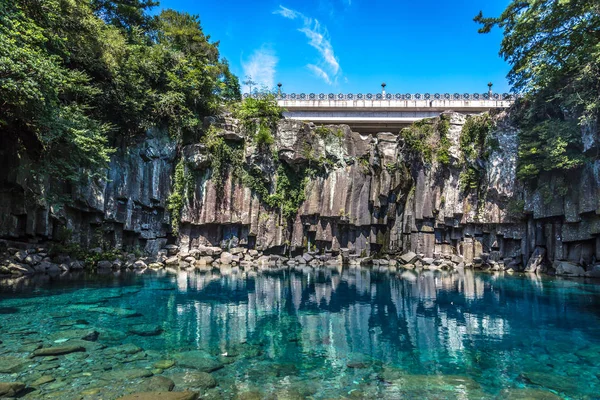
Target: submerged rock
564, 384
146, 329
127, 348
57, 350
528, 394
194, 380
154, 384
11, 365
424, 384
126, 374
11, 389
197, 359
115, 311
43, 380
161, 396
164, 364
83, 334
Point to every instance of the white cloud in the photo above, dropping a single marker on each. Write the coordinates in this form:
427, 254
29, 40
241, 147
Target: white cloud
261, 68
320, 41
318, 37
320, 73
288, 13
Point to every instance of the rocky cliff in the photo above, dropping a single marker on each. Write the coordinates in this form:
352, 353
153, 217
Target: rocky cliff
355, 195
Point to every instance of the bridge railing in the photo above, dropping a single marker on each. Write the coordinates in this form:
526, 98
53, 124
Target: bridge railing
388, 96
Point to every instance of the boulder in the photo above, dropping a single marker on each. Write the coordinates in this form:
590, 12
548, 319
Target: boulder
408, 258
172, 260
568, 268
57, 350
19, 269
187, 395
594, 271
139, 264
146, 329
76, 265
11, 365
536, 260
456, 259
194, 380
82, 334
427, 261
48, 267
226, 258
237, 250
104, 264
20, 256
197, 359
11, 389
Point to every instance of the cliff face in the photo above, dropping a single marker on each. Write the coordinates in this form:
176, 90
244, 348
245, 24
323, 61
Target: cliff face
128, 209
363, 195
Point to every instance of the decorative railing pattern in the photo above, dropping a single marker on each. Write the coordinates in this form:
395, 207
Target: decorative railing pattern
389, 96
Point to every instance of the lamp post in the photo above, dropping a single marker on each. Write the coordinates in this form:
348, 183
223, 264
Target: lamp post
383, 85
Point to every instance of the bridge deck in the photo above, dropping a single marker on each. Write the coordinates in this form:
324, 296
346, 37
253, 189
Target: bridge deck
376, 115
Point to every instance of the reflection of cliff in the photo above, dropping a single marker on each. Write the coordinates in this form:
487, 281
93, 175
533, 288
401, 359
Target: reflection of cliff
423, 322
435, 317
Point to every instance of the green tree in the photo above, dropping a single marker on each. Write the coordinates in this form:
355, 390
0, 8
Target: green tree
45, 106
553, 47
77, 77
125, 14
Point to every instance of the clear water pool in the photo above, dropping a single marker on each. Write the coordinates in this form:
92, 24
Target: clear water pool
303, 333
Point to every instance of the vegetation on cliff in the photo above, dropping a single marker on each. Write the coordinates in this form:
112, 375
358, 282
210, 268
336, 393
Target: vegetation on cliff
428, 139
554, 49
77, 77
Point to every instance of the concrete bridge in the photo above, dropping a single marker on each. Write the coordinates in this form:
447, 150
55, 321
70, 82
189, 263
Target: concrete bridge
369, 113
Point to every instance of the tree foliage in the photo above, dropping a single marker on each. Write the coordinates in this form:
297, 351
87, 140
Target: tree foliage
554, 49
78, 77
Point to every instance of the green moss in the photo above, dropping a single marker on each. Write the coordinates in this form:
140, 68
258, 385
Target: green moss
428, 138
224, 157
260, 117
264, 137
515, 207
470, 179
476, 143
322, 131
417, 137
183, 182
289, 190
365, 165
475, 137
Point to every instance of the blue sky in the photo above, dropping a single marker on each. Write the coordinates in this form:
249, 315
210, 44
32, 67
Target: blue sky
352, 46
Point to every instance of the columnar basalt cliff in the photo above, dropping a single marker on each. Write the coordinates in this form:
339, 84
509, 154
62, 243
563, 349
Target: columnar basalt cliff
356, 196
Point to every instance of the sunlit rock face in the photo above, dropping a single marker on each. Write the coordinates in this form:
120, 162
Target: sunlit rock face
370, 196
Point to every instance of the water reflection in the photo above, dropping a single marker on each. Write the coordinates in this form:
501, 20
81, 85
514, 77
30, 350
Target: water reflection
493, 328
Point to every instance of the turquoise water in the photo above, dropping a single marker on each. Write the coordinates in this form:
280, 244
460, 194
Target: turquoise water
304, 333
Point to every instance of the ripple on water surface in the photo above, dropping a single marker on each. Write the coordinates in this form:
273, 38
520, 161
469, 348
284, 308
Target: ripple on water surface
301, 333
